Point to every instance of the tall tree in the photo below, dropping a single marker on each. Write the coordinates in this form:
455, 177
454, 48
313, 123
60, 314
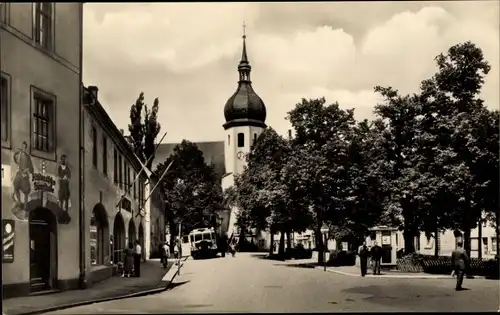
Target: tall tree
465, 135
321, 147
192, 192
144, 132
398, 121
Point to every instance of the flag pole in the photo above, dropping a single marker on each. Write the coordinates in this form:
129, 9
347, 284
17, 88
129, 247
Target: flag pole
152, 190
142, 169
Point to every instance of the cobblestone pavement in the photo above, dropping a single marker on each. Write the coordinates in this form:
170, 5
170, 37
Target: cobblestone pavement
247, 283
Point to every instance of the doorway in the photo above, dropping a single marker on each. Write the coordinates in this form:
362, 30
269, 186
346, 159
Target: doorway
141, 240
43, 250
119, 238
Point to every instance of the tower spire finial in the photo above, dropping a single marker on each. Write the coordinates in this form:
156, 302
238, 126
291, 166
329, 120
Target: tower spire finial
244, 58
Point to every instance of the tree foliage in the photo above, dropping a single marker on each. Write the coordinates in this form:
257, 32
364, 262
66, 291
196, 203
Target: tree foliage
192, 191
144, 132
428, 161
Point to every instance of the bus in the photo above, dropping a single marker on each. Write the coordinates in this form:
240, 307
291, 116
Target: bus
203, 243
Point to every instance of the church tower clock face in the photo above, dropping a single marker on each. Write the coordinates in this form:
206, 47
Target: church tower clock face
240, 155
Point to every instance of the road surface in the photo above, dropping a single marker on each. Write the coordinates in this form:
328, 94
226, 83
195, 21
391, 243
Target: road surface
248, 283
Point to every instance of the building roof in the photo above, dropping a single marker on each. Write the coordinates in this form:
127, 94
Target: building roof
95, 109
244, 107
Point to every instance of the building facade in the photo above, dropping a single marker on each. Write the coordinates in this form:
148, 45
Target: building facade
40, 65
113, 199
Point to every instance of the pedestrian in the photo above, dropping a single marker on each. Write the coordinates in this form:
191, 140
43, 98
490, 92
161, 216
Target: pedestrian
376, 254
137, 259
232, 248
363, 253
460, 262
223, 243
165, 252
128, 260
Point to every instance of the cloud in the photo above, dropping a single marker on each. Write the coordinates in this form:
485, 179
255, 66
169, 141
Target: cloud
187, 55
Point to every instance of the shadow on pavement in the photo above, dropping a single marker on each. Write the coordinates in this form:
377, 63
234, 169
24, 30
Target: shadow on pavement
393, 294
303, 265
268, 257
171, 285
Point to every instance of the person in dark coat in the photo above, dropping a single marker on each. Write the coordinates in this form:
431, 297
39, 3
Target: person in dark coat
64, 175
376, 254
363, 253
460, 262
223, 244
128, 263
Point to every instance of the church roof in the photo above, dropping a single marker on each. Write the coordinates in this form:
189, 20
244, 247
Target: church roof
244, 107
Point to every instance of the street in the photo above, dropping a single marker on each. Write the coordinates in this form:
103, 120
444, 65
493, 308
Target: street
249, 283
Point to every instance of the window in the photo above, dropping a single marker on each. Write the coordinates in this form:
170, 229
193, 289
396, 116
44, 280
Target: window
241, 140
104, 155
3, 12
140, 191
228, 139
43, 114
474, 244
254, 138
135, 188
99, 237
120, 172
115, 166
485, 246
128, 177
94, 146
5, 103
42, 23
494, 244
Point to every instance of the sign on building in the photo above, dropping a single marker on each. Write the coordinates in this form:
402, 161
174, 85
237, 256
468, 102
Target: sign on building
8, 239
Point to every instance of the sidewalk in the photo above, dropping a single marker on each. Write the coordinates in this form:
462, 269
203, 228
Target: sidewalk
354, 271
151, 281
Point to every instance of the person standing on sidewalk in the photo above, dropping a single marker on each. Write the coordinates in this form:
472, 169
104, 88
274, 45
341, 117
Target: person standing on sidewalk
137, 259
363, 253
460, 262
376, 253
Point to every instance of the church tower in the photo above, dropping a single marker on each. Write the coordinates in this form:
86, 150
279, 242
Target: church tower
245, 115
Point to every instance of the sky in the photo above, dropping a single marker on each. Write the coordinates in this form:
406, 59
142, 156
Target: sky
186, 54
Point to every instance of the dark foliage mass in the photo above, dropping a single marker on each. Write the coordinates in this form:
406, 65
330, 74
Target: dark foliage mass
427, 162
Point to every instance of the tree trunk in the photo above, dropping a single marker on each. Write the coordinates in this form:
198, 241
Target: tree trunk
409, 239
467, 240
319, 244
281, 250
480, 240
437, 239
271, 245
288, 240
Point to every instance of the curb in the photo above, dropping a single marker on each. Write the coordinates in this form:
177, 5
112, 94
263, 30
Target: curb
162, 286
395, 276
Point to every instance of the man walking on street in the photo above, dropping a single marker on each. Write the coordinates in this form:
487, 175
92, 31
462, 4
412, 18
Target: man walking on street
376, 253
363, 258
460, 262
137, 259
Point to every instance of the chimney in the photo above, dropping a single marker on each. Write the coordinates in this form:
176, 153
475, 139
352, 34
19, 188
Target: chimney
121, 131
93, 91
289, 133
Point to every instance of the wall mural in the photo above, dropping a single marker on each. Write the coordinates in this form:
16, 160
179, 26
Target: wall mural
37, 188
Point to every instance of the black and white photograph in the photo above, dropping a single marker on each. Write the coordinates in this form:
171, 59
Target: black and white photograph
250, 157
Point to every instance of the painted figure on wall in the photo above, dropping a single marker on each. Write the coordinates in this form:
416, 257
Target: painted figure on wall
64, 174
22, 180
